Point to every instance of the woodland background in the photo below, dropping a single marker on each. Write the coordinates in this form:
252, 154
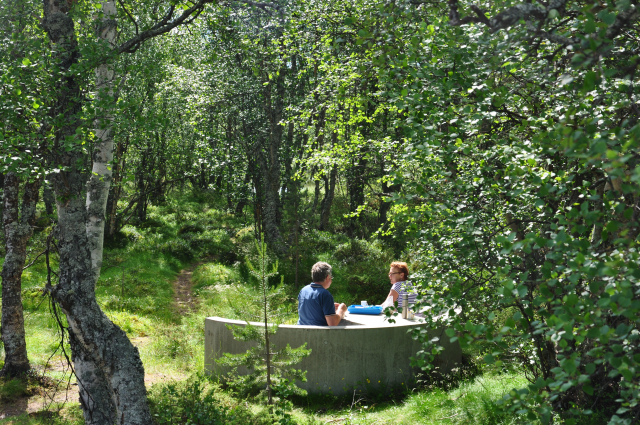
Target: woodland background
493, 146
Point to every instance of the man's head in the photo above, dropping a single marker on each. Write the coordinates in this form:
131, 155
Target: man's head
321, 274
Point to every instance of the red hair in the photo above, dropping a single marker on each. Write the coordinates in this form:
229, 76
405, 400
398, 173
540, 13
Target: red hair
402, 267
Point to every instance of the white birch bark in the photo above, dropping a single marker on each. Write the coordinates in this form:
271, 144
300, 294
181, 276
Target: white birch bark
108, 367
101, 174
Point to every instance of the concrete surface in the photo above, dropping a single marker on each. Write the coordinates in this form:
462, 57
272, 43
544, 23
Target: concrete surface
363, 352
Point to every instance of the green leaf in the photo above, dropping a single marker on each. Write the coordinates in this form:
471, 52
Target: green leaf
590, 81
607, 17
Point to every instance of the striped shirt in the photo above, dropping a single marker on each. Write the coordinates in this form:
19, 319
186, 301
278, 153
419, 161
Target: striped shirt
405, 288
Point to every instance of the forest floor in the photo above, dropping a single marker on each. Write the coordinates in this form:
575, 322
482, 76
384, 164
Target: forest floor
49, 396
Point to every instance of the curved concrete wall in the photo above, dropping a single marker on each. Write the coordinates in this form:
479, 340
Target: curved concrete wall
342, 357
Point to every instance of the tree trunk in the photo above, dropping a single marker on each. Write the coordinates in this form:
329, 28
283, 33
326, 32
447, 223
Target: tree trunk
141, 207
111, 225
355, 186
316, 193
1, 204
48, 198
244, 200
270, 163
384, 205
328, 199
108, 367
18, 230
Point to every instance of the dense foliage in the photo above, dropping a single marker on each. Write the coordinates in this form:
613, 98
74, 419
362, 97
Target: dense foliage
520, 183
494, 145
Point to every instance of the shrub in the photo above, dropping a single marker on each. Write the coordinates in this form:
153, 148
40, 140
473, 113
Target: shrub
190, 228
196, 401
364, 265
179, 248
131, 233
188, 402
13, 388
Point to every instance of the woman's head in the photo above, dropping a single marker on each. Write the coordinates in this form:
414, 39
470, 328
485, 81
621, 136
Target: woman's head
398, 272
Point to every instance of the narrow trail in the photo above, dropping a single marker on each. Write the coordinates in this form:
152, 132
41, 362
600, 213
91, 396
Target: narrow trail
183, 289
40, 404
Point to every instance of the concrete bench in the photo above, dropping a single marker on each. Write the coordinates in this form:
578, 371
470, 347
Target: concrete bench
364, 351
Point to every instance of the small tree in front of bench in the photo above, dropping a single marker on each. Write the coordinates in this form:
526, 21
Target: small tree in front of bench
267, 367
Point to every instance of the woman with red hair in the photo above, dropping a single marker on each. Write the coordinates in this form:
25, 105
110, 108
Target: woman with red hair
398, 275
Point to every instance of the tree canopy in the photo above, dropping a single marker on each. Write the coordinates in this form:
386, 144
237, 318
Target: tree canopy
493, 143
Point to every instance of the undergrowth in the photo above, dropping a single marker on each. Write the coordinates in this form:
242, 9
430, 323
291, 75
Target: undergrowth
136, 292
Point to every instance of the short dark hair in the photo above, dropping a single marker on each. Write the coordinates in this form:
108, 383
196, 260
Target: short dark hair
320, 271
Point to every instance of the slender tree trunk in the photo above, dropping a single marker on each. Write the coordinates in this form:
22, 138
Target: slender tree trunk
111, 225
384, 205
316, 194
244, 200
156, 196
48, 198
330, 190
288, 169
1, 203
141, 207
270, 163
355, 186
108, 367
18, 230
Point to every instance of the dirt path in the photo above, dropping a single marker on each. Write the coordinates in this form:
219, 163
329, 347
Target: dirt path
182, 288
44, 402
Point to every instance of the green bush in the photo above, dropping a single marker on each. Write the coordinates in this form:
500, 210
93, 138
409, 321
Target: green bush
196, 401
13, 388
190, 228
364, 265
132, 233
179, 248
188, 402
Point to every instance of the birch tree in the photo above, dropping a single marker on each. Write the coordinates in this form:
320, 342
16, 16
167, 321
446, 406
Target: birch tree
108, 367
18, 228
22, 140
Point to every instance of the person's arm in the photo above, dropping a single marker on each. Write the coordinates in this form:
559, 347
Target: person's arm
334, 319
391, 298
393, 293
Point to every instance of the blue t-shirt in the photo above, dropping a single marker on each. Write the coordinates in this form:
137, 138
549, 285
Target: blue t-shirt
315, 302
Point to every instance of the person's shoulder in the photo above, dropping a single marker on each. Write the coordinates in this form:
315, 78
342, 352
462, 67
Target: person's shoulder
306, 288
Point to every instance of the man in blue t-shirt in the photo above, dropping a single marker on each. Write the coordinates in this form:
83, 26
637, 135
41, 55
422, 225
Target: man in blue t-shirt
315, 303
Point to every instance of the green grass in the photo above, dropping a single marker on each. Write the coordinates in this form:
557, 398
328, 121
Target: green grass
471, 402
